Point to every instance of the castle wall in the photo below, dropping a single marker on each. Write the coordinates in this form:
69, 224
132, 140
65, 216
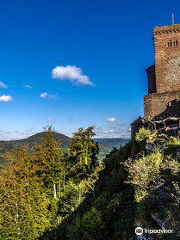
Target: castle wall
151, 79
155, 104
163, 77
167, 57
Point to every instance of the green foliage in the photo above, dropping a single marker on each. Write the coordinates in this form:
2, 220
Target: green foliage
92, 224
107, 213
87, 227
23, 200
39, 188
46, 194
48, 157
134, 182
155, 177
83, 152
143, 134
144, 171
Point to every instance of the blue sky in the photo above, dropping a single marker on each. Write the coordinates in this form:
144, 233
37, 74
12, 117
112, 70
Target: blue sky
99, 50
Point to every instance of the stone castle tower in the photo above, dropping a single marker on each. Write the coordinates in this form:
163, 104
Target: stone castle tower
163, 99
164, 76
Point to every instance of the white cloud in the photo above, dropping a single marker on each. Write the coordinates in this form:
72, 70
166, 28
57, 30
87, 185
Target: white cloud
72, 74
27, 86
3, 85
29, 130
50, 120
112, 131
48, 96
110, 119
108, 131
15, 135
5, 98
44, 95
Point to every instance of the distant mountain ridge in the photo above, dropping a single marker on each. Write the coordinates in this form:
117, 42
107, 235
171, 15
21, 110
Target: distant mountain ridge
105, 144
111, 142
33, 140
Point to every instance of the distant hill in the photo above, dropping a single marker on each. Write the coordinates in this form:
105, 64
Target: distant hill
105, 144
31, 141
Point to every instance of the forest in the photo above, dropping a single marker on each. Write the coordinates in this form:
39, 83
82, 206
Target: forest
47, 193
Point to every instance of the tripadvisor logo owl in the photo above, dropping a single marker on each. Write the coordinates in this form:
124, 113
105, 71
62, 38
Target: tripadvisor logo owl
138, 231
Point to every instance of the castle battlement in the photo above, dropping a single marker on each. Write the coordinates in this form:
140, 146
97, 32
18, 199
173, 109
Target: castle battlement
166, 29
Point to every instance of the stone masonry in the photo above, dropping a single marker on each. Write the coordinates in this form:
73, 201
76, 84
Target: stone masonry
164, 76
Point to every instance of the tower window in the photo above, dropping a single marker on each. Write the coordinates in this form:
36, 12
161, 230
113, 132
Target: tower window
172, 43
169, 44
175, 43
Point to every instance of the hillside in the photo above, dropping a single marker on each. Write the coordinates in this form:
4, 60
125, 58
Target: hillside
33, 140
105, 144
30, 141
135, 188
68, 199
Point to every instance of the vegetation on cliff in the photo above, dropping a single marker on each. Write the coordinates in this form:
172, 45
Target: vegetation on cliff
38, 189
51, 194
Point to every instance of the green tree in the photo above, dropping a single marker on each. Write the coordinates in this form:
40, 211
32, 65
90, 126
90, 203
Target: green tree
87, 227
83, 151
23, 201
50, 162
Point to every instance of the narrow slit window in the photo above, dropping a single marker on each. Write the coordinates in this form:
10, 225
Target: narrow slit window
175, 43
169, 44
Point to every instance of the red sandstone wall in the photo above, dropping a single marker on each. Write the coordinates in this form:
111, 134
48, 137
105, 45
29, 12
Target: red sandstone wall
155, 104
151, 79
167, 59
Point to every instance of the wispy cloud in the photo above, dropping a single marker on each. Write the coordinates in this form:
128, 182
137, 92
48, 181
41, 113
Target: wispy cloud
115, 130
30, 130
3, 85
15, 135
108, 131
72, 74
112, 119
5, 98
121, 124
46, 95
50, 120
28, 86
